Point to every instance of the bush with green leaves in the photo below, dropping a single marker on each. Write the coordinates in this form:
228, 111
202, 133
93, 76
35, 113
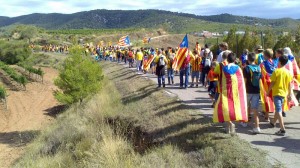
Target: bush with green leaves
12, 52
79, 77
2, 92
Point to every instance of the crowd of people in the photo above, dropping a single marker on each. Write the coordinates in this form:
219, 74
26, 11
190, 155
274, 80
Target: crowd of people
53, 48
237, 86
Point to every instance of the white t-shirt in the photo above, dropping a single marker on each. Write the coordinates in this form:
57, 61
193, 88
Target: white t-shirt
220, 59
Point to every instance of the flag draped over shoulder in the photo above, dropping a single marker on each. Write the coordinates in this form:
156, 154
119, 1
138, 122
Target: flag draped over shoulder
267, 67
146, 64
181, 54
124, 41
232, 102
192, 55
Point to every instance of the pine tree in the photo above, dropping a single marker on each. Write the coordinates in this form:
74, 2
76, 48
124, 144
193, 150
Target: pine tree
79, 77
246, 41
269, 39
231, 39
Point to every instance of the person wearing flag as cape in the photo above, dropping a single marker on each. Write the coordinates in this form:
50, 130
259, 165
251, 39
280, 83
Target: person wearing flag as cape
232, 102
267, 67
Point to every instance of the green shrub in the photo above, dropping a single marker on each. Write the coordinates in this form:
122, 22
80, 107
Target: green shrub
79, 77
12, 52
2, 92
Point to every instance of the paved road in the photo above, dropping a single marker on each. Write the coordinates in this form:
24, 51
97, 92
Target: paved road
284, 150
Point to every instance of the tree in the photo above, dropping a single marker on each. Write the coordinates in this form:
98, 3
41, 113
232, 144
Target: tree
231, 39
79, 77
285, 41
269, 39
26, 31
14, 52
297, 40
246, 41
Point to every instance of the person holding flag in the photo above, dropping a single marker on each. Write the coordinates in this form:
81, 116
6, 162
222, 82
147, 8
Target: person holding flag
181, 62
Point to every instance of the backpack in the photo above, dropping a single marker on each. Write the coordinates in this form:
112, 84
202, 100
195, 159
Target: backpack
207, 62
161, 61
255, 74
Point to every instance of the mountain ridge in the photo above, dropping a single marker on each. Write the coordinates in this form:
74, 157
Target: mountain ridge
106, 19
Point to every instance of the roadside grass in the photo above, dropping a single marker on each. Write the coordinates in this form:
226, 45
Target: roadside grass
130, 123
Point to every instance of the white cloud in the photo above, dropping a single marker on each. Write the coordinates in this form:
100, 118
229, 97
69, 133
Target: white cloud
259, 8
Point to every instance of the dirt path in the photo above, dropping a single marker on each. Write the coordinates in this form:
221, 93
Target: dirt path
26, 115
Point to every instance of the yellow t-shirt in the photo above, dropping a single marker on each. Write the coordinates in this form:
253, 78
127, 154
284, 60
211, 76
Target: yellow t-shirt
282, 79
139, 56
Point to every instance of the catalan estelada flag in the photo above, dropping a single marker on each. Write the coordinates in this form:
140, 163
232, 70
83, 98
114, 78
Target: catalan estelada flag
124, 41
181, 53
232, 102
267, 67
146, 63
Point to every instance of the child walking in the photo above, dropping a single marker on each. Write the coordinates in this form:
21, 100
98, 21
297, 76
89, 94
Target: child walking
281, 89
252, 75
213, 82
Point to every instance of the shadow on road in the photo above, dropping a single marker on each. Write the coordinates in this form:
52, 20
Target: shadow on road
56, 110
289, 145
18, 138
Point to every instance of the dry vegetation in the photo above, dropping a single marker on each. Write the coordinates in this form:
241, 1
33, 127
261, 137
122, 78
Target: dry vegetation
132, 124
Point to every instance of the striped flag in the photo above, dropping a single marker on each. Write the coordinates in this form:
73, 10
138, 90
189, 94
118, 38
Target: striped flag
232, 102
265, 82
124, 41
181, 53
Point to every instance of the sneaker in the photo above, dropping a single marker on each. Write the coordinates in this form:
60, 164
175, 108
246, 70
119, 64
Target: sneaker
191, 85
243, 124
280, 132
283, 114
256, 130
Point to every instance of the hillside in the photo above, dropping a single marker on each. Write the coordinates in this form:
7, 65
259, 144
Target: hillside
173, 21
228, 18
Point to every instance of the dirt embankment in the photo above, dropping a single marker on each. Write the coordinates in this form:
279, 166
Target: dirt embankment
28, 112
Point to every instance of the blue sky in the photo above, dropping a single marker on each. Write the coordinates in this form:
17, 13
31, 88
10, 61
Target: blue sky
257, 8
